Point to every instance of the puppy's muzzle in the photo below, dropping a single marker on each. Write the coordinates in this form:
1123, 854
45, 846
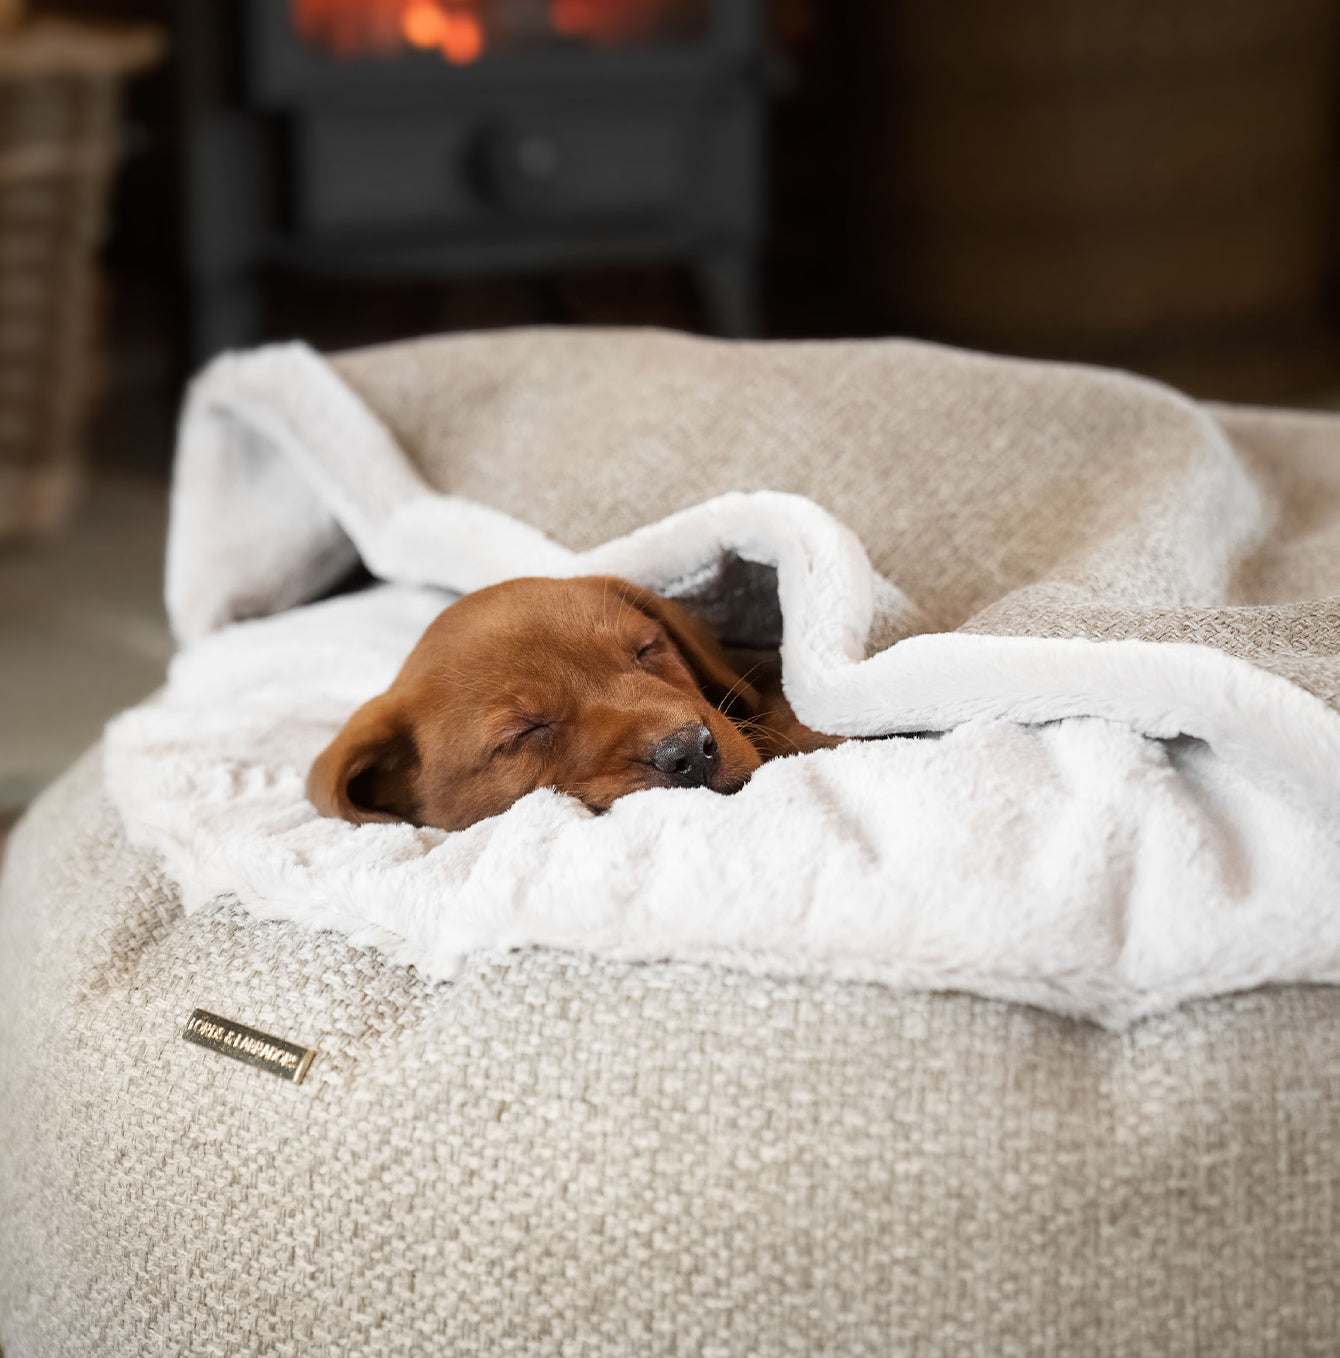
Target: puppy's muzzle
688, 757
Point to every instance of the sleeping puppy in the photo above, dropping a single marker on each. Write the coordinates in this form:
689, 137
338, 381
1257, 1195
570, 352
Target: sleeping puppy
591, 686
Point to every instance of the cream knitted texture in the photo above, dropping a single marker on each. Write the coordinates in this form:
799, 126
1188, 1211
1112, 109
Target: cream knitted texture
556, 1157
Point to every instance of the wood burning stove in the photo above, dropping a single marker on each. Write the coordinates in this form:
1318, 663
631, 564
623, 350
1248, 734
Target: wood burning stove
450, 137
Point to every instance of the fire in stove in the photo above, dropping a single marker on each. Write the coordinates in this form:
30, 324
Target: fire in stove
462, 31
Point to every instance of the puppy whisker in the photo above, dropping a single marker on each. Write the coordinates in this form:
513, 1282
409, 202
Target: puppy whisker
738, 686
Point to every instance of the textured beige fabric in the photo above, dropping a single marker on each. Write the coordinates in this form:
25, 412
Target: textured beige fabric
556, 1157
560, 1157
1002, 496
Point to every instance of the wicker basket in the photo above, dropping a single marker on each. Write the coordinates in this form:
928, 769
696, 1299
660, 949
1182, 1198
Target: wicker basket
59, 88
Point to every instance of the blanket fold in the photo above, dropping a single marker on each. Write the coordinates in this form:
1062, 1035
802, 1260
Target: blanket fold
950, 543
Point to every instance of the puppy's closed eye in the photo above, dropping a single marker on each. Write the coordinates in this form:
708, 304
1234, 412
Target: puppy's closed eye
528, 732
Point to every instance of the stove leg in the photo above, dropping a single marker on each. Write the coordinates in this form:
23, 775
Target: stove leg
727, 280
226, 312
227, 218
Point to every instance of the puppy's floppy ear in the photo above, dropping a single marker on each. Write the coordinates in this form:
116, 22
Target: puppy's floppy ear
717, 677
370, 771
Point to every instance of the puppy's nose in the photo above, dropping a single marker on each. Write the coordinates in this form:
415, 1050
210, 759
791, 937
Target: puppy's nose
688, 756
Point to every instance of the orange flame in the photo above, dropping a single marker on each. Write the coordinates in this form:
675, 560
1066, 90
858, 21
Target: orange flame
457, 28
452, 27
608, 22
454, 30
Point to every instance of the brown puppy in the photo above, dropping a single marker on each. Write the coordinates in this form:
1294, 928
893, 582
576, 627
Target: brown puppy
591, 686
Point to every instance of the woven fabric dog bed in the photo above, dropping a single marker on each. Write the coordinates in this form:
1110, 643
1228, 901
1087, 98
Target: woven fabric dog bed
556, 1156
570, 1153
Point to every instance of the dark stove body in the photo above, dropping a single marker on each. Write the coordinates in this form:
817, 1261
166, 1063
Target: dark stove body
524, 163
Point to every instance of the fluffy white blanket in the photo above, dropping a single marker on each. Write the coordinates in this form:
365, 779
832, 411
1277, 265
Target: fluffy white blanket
1102, 829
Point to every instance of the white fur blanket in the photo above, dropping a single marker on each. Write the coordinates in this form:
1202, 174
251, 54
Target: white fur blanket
1104, 828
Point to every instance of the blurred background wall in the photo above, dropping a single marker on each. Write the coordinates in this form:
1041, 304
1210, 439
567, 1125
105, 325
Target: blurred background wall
1145, 183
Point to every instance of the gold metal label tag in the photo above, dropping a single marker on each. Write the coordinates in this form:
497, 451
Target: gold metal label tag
273, 1054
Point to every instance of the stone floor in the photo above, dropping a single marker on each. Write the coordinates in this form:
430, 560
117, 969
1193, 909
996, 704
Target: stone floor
82, 631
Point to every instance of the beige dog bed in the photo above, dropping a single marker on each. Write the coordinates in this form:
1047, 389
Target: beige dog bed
559, 1154
554, 1156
